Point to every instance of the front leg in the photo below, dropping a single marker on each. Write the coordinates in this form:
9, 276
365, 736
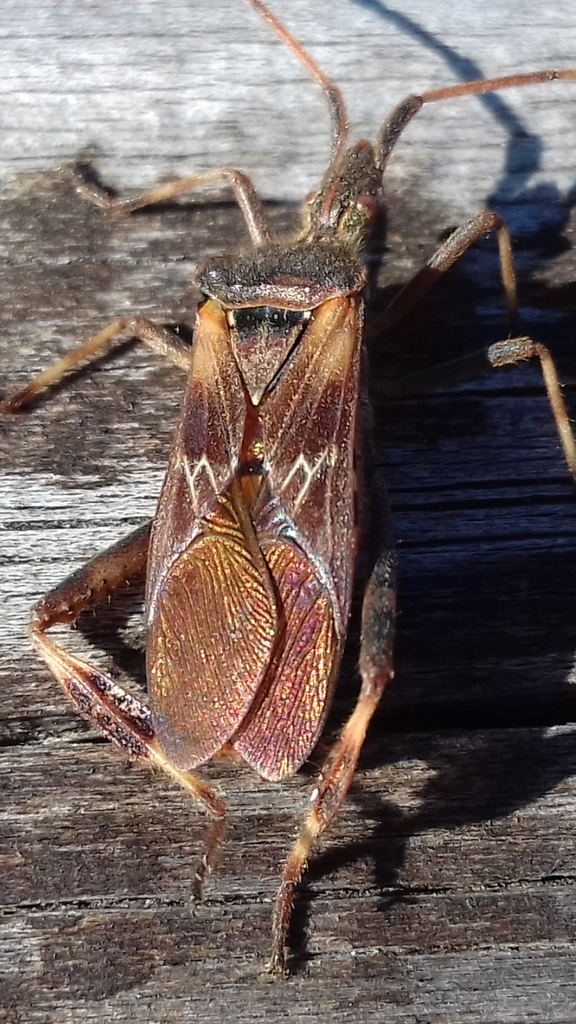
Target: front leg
121, 717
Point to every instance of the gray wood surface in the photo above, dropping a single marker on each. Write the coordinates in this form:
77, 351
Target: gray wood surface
446, 891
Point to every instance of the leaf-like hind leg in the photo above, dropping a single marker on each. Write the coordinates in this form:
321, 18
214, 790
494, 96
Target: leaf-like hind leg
121, 717
376, 670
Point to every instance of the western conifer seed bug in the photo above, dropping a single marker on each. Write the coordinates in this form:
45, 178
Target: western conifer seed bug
252, 553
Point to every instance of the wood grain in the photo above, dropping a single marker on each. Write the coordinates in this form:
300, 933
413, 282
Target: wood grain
446, 891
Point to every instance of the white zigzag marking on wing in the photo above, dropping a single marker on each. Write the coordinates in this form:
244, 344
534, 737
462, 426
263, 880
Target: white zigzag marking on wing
192, 475
310, 471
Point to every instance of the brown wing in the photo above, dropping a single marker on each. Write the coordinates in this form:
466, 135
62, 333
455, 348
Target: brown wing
211, 624
309, 424
309, 438
283, 724
205, 450
212, 639
221, 665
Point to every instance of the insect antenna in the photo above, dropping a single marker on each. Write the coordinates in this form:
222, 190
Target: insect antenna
338, 115
402, 115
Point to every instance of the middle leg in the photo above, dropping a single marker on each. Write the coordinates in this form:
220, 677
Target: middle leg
158, 338
502, 353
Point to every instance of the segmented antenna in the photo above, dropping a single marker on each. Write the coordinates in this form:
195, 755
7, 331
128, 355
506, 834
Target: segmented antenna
338, 115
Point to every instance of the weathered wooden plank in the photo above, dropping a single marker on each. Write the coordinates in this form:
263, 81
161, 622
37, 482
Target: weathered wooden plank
66, 800
447, 890
476, 987
159, 91
99, 884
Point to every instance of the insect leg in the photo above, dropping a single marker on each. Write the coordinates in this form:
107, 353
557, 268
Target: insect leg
452, 249
116, 713
502, 353
513, 350
475, 365
158, 338
246, 196
376, 671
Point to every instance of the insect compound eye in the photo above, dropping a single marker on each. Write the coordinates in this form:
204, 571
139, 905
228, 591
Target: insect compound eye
369, 206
